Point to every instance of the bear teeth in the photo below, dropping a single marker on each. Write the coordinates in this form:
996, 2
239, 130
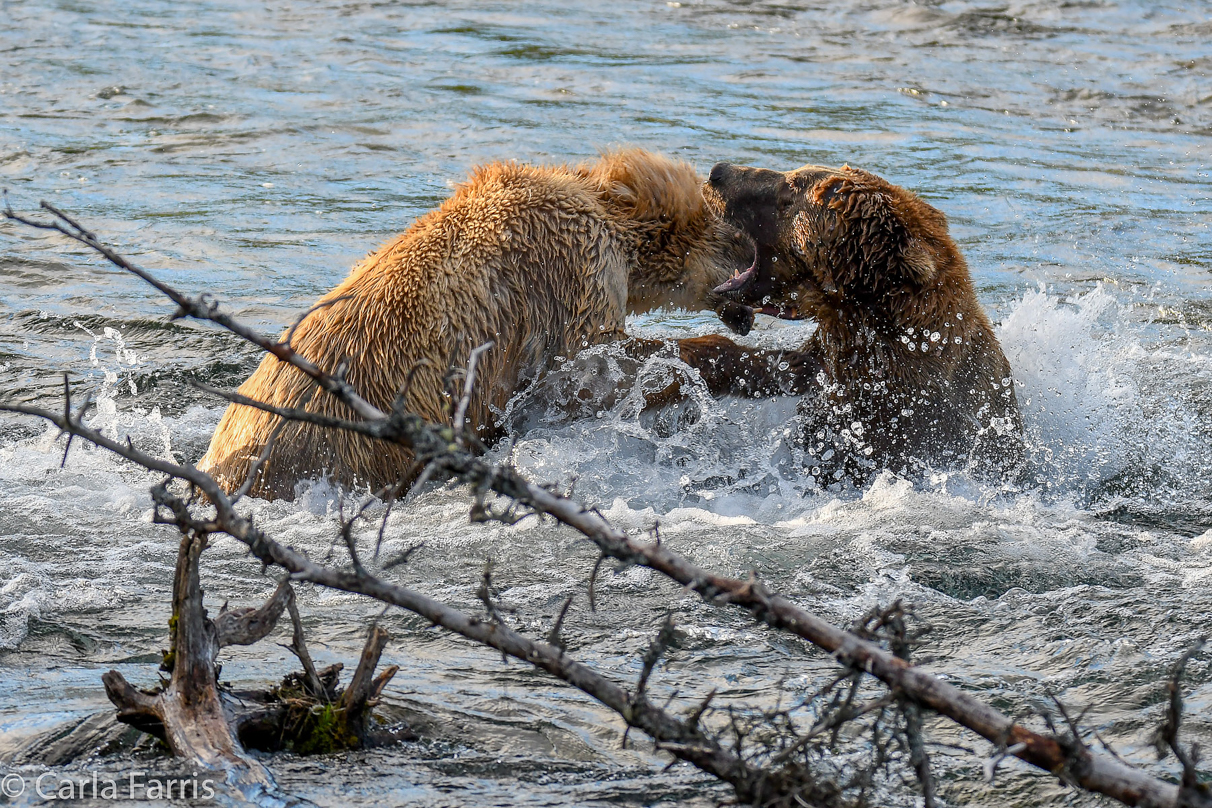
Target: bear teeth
739, 278
737, 281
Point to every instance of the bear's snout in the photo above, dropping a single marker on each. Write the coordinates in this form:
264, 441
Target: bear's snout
718, 172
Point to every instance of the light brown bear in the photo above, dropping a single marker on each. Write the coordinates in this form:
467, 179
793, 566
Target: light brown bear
542, 261
913, 375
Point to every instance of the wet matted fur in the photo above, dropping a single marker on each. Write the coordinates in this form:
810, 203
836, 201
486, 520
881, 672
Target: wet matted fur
913, 373
540, 260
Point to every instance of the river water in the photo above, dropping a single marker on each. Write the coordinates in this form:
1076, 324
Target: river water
257, 150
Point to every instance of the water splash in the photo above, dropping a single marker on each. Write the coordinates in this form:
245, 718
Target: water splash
91, 490
1104, 414
1099, 409
732, 453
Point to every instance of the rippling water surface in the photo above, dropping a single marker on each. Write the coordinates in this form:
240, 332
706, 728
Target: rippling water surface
258, 150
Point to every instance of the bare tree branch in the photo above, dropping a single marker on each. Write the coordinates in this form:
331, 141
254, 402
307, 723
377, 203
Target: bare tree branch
249, 626
298, 646
1192, 790
448, 457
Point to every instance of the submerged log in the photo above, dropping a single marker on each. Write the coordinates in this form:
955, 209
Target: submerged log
299, 717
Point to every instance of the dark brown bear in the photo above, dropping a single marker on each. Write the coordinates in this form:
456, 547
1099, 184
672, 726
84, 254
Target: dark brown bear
913, 373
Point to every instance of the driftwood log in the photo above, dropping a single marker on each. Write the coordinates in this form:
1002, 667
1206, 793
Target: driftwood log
195, 724
210, 727
188, 714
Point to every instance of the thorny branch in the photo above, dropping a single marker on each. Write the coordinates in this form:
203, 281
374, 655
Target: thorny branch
445, 450
893, 621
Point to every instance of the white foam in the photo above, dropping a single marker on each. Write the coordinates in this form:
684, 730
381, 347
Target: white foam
1097, 404
1075, 388
88, 498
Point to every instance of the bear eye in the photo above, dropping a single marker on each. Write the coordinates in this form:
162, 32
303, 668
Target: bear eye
784, 197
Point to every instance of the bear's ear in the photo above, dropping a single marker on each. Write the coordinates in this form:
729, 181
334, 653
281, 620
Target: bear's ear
918, 263
648, 186
855, 195
873, 212
831, 192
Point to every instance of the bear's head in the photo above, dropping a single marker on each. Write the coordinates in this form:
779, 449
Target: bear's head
682, 248
828, 238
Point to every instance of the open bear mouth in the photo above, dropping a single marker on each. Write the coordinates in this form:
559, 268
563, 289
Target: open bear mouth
741, 278
781, 312
751, 286
754, 287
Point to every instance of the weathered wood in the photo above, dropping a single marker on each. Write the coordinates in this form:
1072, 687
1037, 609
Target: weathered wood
189, 712
364, 687
380, 684
306, 712
298, 646
135, 707
251, 625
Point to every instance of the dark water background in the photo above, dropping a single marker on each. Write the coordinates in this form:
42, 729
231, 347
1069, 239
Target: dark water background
257, 150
